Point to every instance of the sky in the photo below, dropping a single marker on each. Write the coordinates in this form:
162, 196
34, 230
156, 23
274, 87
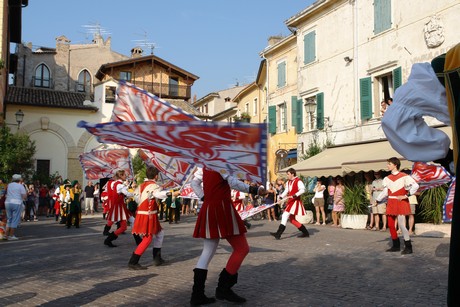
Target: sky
217, 40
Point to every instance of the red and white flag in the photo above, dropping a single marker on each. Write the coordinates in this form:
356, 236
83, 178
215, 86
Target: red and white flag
448, 205
135, 104
236, 149
99, 164
429, 175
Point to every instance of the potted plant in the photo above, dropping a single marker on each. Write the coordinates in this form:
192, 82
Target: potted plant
244, 117
356, 208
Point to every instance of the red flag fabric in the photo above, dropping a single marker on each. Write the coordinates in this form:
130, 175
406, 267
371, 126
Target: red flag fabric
135, 104
449, 202
98, 164
175, 169
236, 149
429, 175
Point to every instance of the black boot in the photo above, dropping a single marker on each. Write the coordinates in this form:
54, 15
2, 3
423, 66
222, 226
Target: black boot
108, 241
407, 248
304, 231
198, 297
396, 246
157, 260
280, 231
106, 230
137, 239
224, 291
133, 263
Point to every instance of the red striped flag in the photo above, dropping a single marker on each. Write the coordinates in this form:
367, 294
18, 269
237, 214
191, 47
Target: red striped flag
429, 175
98, 164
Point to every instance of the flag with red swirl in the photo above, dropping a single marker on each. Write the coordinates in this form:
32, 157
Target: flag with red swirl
175, 169
236, 149
449, 202
135, 104
429, 175
99, 164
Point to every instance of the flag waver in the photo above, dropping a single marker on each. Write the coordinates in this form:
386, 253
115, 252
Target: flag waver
232, 149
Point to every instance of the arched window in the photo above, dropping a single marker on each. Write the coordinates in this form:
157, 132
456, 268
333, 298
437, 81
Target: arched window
84, 82
42, 76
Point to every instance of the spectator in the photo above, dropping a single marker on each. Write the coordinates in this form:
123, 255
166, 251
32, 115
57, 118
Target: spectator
380, 207
339, 204
383, 107
330, 198
15, 195
368, 190
96, 197
186, 206
319, 201
270, 199
413, 203
43, 205
30, 213
89, 198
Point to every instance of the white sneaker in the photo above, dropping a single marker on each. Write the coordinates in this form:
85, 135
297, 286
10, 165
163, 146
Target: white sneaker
12, 238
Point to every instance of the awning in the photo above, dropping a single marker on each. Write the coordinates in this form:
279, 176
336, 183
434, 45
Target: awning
292, 154
341, 160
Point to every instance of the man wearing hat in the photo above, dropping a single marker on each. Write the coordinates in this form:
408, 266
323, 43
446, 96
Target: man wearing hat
15, 195
73, 207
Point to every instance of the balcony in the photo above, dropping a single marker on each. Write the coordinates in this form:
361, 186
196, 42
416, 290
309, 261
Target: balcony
166, 90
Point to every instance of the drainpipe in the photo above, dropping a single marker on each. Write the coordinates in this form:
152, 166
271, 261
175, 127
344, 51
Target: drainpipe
267, 105
355, 62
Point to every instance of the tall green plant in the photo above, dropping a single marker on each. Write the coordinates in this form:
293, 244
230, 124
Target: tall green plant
431, 204
139, 169
355, 199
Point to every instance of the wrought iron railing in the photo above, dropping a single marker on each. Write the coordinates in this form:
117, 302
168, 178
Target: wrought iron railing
166, 90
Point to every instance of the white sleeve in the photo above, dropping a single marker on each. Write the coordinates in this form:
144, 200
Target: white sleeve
301, 187
196, 183
411, 186
236, 184
403, 122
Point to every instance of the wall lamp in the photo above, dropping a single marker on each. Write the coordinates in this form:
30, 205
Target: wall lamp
19, 118
347, 59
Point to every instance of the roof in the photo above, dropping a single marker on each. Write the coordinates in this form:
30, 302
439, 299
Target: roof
47, 98
100, 73
186, 106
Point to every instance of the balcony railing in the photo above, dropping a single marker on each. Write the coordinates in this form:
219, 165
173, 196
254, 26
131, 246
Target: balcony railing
166, 90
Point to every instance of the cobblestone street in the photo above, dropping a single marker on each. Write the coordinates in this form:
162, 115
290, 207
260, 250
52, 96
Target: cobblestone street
54, 266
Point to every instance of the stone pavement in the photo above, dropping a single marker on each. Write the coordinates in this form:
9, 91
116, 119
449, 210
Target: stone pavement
54, 266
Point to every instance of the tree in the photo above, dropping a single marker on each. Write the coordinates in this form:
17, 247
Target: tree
16, 154
139, 169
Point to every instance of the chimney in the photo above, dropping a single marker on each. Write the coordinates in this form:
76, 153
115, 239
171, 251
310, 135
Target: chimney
272, 40
136, 52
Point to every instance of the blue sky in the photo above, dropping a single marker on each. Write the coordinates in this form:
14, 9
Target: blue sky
217, 40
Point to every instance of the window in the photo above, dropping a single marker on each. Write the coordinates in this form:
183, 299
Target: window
281, 74
173, 86
309, 41
282, 118
125, 75
246, 108
256, 106
84, 82
206, 109
382, 15
42, 76
110, 92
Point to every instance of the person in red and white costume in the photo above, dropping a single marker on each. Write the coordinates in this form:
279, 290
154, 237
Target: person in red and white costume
106, 206
218, 219
294, 189
118, 211
398, 187
147, 223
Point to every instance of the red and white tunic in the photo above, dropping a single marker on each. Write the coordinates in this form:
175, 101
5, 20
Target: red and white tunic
397, 184
146, 222
295, 188
218, 218
238, 198
118, 211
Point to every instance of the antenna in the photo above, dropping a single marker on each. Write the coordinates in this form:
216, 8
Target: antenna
145, 42
95, 29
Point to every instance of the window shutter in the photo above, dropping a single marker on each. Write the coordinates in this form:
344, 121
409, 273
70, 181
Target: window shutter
309, 47
397, 78
272, 119
320, 111
294, 112
365, 97
300, 115
285, 117
282, 74
382, 15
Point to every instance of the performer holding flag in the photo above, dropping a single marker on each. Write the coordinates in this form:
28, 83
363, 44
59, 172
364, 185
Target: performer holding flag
219, 219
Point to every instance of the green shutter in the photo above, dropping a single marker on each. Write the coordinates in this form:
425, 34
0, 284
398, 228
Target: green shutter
365, 93
282, 74
309, 47
296, 114
285, 116
320, 111
397, 78
382, 15
272, 119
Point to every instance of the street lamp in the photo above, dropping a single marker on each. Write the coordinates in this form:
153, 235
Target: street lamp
310, 104
19, 117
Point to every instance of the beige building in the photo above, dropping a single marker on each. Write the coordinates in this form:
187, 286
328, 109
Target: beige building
351, 55
282, 103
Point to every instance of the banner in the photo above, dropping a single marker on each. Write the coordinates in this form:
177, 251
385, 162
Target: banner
429, 175
99, 164
236, 149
